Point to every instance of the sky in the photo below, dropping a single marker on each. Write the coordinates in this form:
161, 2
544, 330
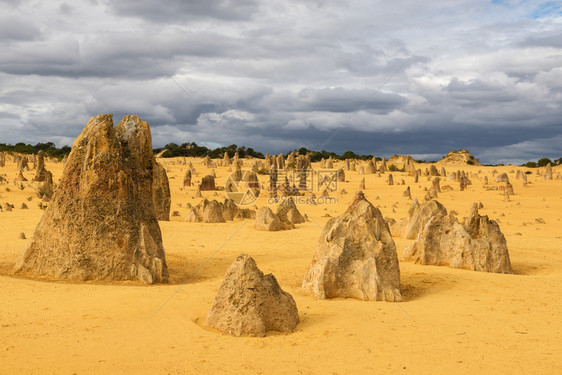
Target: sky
374, 77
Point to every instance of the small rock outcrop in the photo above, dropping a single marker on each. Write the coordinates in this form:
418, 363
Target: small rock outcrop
356, 257
502, 178
548, 172
41, 174
401, 161
206, 212
370, 169
459, 157
267, 220
477, 244
250, 303
207, 183
101, 223
216, 212
289, 213
407, 193
21, 177
187, 178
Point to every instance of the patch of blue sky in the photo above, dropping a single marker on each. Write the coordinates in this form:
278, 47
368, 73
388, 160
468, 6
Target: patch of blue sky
549, 8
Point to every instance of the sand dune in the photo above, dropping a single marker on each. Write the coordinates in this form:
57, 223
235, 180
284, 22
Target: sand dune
450, 320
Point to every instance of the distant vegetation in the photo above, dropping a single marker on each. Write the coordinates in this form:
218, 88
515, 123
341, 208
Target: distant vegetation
318, 155
48, 148
193, 150
542, 162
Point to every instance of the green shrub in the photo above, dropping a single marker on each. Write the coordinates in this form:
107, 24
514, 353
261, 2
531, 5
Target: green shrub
543, 162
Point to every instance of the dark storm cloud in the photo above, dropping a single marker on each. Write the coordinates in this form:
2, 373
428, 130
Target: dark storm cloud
341, 100
422, 78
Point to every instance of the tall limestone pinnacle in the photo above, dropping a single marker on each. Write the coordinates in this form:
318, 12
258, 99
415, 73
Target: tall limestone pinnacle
356, 257
101, 223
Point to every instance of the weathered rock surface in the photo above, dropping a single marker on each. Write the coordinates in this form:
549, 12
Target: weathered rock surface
289, 213
41, 174
548, 172
250, 303
477, 245
502, 178
267, 220
401, 161
206, 212
459, 157
101, 223
356, 257
207, 183
407, 193
161, 193
216, 212
21, 177
187, 178
418, 217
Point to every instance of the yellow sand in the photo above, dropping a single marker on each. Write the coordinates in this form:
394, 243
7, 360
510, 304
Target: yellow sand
451, 321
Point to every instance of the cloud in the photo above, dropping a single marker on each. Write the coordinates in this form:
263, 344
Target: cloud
17, 29
180, 11
423, 79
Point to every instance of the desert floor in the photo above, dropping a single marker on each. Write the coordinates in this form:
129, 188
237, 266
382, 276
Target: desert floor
451, 320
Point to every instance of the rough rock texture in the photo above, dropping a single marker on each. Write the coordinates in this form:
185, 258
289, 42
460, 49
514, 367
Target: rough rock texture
206, 212
341, 175
161, 193
459, 157
187, 178
21, 177
356, 257
418, 216
433, 170
101, 223
370, 169
207, 183
362, 184
502, 178
477, 245
267, 220
40, 171
216, 212
288, 212
401, 161
250, 303
21, 162
407, 193
548, 172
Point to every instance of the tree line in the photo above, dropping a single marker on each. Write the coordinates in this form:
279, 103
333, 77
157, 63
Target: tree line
49, 148
194, 150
